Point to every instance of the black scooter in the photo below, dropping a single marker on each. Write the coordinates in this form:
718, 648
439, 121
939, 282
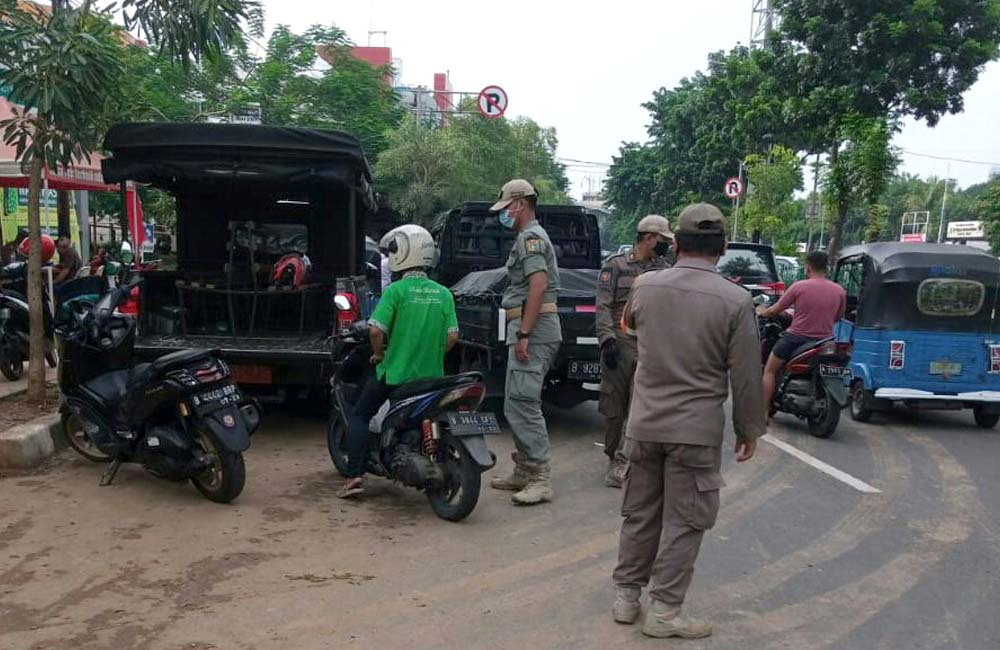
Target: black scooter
15, 322
813, 383
432, 438
180, 416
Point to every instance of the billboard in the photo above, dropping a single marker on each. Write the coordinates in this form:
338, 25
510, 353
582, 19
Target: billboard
966, 230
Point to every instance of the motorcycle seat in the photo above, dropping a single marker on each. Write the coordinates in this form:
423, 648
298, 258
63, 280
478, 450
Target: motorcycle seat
177, 359
805, 347
112, 387
420, 386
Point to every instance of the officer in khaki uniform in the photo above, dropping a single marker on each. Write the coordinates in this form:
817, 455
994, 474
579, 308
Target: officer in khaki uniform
697, 338
533, 337
618, 350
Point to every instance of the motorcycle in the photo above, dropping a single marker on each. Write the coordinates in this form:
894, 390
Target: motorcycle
432, 438
15, 322
813, 383
181, 416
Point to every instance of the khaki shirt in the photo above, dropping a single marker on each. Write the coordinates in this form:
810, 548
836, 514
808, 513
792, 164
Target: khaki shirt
532, 253
613, 286
697, 332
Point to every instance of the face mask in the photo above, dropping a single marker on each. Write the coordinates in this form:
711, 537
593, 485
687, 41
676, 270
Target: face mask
506, 219
662, 248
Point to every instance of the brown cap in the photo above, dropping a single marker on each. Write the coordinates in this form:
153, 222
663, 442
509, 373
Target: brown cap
654, 223
701, 219
515, 189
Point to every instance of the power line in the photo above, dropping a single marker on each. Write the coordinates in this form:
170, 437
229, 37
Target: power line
961, 160
584, 162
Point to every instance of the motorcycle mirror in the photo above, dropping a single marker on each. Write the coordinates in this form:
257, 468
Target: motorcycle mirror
342, 303
762, 299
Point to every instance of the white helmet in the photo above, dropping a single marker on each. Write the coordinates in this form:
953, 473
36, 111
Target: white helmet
409, 247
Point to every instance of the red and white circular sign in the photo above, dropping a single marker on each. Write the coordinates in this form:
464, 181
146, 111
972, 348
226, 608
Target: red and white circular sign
733, 188
492, 102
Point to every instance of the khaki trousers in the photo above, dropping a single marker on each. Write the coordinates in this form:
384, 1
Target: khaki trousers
671, 497
616, 394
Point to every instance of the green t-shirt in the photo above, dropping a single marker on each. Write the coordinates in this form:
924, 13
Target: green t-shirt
416, 314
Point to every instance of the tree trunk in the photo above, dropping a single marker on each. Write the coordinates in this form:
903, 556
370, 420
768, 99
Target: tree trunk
62, 211
36, 354
840, 212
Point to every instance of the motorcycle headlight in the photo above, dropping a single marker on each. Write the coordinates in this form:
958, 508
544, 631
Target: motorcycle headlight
4, 313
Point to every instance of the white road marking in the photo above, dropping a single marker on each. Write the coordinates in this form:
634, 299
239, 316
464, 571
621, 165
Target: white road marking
828, 469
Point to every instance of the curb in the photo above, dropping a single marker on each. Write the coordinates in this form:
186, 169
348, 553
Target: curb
27, 444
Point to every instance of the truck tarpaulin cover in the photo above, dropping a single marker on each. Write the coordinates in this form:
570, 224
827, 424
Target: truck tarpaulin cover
489, 285
173, 156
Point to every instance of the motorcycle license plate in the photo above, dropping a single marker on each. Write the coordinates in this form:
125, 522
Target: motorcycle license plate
834, 371
221, 396
471, 424
588, 371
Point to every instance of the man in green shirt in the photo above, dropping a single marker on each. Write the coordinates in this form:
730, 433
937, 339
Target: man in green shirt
412, 328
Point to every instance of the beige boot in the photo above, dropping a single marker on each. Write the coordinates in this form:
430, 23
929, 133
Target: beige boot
615, 475
539, 487
517, 480
663, 621
626, 607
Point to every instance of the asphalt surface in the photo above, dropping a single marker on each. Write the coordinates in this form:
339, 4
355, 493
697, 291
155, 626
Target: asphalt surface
798, 559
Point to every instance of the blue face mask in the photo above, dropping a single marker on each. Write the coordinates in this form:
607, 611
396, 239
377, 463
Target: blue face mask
506, 219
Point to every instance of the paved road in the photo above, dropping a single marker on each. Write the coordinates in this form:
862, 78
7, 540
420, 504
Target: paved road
798, 560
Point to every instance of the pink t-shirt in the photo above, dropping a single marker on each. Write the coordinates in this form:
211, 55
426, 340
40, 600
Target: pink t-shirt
818, 304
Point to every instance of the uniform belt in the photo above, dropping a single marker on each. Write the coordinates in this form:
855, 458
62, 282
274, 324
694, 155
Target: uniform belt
547, 308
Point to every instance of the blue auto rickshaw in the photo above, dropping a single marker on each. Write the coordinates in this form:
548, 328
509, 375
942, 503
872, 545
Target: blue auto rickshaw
922, 319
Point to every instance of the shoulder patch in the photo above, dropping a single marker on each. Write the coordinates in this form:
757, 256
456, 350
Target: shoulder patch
605, 277
534, 245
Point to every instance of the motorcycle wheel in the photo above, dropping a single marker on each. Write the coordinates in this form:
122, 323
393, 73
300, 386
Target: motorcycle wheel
824, 424
457, 498
860, 403
11, 366
224, 479
985, 420
336, 442
77, 438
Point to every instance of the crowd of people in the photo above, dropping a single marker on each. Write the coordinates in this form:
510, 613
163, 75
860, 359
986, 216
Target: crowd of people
677, 341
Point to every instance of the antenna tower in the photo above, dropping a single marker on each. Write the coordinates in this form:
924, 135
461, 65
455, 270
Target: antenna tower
763, 19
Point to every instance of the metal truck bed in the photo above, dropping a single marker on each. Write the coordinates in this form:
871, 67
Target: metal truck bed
271, 348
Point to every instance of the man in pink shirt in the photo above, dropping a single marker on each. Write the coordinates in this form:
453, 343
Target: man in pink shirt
818, 304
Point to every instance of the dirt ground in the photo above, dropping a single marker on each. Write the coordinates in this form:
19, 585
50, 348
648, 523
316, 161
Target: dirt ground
798, 560
16, 409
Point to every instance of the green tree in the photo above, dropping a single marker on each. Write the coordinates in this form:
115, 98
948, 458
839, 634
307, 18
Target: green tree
425, 170
774, 178
881, 60
63, 66
989, 209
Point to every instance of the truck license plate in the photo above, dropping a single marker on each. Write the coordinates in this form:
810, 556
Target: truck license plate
466, 424
588, 371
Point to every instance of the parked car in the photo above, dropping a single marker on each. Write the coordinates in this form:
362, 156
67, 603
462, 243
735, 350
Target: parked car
752, 265
249, 197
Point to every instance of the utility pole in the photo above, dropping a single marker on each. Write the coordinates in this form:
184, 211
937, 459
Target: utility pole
814, 208
944, 203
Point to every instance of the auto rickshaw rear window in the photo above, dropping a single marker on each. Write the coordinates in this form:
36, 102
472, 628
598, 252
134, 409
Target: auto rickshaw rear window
950, 297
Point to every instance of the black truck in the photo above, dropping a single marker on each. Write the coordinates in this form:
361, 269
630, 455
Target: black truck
248, 195
474, 248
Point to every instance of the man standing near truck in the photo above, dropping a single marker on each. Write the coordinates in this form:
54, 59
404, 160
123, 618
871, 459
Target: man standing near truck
618, 349
533, 337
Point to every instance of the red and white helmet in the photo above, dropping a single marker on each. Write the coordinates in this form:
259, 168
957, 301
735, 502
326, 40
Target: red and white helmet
291, 271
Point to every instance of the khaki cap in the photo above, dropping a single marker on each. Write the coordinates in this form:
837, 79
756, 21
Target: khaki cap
654, 223
701, 219
515, 189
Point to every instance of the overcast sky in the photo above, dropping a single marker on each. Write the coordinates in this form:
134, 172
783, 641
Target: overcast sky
586, 72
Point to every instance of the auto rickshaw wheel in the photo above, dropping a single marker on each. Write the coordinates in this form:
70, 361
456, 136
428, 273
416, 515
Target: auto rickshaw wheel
861, 400
985, 419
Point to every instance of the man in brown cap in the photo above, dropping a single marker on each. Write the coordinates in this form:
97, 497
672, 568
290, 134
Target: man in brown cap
618, 350
534, 334
675, 426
